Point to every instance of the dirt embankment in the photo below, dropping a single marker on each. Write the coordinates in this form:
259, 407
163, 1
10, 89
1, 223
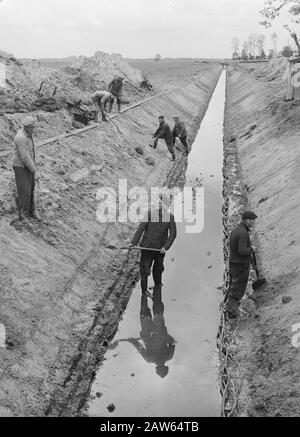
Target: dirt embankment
62, 289
262, 167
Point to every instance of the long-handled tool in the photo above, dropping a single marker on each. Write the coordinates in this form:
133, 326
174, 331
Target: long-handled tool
260, 281
113, 123
113, 246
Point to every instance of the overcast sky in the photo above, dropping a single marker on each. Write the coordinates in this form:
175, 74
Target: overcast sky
134, 28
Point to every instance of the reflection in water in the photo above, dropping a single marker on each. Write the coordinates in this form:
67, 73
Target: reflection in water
155, 345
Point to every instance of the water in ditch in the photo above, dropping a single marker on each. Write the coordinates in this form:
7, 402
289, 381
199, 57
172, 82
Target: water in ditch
175, 374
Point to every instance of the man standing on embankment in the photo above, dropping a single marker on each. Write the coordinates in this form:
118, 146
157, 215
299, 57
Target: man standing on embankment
239, 263
116, 88
25, 169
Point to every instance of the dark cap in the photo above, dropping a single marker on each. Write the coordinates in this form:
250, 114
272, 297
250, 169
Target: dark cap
249, 215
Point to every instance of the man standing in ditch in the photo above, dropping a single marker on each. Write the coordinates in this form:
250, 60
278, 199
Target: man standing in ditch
164, 132
158, 231
179, 131
25, 169
239, 262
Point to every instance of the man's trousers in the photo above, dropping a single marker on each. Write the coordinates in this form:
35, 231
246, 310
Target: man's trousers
239, 276
25, 187
149, 258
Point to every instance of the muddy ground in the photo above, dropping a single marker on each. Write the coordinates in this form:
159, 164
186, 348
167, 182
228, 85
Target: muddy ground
62, 289
262, 168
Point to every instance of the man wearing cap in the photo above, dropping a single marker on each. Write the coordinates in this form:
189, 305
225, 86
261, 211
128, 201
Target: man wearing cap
157, 231
239, 262
115, 88
164, 132
25, 170
180, 131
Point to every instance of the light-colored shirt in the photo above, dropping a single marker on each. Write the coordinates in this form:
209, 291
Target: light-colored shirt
103, 95
24, 155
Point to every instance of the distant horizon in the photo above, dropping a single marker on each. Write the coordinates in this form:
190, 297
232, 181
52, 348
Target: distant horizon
138, 29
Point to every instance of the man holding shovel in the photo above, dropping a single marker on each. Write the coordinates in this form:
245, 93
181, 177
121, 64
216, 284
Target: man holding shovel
241, 254
164, 132
26, 173
158, 232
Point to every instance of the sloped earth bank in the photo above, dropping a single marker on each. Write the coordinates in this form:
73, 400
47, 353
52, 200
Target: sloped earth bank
62, 289
261, 170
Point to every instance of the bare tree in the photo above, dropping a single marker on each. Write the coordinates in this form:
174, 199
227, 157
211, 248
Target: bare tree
274, 37
252, 44
236, 45
246, 47
157, 57
274, 9
260, 43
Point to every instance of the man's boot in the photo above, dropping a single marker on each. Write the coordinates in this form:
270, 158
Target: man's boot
35, 216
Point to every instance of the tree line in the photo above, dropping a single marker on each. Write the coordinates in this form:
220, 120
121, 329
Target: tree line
288, 11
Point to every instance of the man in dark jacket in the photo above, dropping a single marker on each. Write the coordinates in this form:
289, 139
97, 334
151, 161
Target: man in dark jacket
179, 131
116, 88
239, 262
159, 234
164, 132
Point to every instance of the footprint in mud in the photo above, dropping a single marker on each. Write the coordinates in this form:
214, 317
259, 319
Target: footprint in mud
111, 408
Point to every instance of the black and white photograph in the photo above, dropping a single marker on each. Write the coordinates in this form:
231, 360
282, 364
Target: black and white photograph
149, 212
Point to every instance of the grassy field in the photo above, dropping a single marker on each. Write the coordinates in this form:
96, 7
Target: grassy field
169, 70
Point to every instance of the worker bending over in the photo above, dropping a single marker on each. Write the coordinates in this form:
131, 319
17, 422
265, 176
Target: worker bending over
164, 132
102, 100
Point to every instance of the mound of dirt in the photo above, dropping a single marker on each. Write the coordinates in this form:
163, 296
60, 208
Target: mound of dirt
31, 81
96, 72
42, 87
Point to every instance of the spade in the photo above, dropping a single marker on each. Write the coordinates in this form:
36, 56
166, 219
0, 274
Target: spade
260, 281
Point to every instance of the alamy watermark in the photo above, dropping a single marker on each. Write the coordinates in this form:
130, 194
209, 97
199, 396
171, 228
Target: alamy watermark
296, 336
2, 75
136, 205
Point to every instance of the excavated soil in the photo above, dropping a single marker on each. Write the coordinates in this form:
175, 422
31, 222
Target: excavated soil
63, 290
261, 168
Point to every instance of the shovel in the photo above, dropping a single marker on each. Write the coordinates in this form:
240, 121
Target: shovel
260, 282
119, 130
113, 246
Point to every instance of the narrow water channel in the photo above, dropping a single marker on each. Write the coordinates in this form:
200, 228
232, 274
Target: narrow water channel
187, 316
